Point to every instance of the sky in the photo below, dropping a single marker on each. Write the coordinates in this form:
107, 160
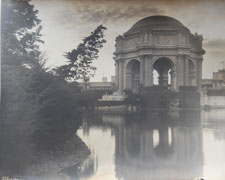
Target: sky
66, 22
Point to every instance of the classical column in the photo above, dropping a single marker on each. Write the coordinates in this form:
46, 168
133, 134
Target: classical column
186, 70
128, 80
121, 75
160, 78
192, 77
199, 74
165, 79
180, 71
173, 78
142, 65
148, 71
124, 76
195, 75
117, 75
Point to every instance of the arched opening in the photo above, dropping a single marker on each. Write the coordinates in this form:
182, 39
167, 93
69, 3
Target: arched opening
164, 68
133, 76
169, 76
191, 73
155, 77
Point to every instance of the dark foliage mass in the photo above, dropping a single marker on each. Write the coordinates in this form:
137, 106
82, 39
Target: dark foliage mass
21, 35
39, 111
57, 118
20, 55
17, 115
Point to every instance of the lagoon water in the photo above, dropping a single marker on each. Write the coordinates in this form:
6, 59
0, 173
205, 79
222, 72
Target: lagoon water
154, 145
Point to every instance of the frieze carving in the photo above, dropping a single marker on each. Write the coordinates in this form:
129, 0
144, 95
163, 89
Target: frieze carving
145, 41
183, 39
166, 40
146, 38
131, 43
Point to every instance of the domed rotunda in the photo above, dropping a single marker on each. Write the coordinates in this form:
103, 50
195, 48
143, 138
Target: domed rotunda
162, 47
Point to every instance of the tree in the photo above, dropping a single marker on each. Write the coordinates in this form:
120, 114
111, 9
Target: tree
20, 36
80, 59
20, 33
18, 111
58, 115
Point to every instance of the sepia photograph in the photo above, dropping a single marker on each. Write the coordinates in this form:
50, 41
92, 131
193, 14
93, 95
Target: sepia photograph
112, 90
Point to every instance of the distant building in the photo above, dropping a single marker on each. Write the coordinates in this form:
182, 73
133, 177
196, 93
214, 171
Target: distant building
104, 85
220, 75
113, 79
104, 79
214, 90
97, 85
216, 83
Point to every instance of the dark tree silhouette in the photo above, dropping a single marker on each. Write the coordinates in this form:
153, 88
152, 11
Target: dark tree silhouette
20, 36
80, 59
20, 33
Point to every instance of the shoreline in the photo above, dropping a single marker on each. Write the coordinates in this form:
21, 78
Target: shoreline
73, 152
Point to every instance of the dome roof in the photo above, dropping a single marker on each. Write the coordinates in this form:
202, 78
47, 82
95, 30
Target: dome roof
155, 21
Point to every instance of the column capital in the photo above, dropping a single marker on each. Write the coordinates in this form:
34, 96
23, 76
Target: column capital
173, 73
180, 55
118, 59
186, 56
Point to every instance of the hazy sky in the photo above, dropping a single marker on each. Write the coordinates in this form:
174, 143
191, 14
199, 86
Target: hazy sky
66, 22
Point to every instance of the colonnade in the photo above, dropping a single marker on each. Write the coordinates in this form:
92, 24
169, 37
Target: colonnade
182, 71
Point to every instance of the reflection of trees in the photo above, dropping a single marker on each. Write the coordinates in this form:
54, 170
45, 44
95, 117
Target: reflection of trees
82, 170
88, 167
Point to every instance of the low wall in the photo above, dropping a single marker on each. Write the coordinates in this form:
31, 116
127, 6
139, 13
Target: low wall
189, 97
213, 101
110, 103
156, 97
